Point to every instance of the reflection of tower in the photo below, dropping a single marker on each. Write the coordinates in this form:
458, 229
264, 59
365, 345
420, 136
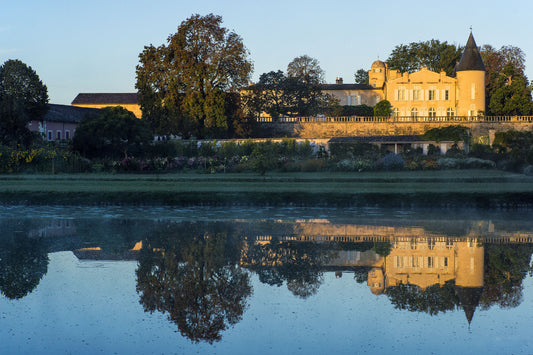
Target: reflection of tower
469, 274
376, 281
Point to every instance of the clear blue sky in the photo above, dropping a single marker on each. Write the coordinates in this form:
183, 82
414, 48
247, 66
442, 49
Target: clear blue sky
93, 46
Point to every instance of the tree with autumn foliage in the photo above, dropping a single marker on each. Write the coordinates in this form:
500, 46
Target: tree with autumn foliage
186, 86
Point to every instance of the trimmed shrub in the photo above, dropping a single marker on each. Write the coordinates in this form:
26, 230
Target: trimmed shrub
476, 163
449, 163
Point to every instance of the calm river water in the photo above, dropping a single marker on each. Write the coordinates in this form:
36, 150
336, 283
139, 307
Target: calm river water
125, 280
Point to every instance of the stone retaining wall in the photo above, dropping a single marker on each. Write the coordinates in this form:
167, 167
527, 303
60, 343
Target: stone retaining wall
343, 129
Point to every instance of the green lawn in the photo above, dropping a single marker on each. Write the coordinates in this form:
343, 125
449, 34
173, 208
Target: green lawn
419, 186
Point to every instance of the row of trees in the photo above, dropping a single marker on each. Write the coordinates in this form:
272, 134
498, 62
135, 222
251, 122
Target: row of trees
196, 85
296, 93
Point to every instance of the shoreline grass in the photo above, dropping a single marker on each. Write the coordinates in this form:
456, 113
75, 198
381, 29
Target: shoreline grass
465, 188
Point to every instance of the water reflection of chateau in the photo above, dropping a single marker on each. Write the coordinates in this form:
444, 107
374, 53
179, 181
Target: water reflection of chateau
416, 256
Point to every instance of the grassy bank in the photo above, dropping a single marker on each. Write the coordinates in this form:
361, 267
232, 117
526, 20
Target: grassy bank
465, 188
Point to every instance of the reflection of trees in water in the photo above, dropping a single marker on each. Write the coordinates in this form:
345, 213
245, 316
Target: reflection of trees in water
23, 263
433, 300
506, 266
299, 264
191, 273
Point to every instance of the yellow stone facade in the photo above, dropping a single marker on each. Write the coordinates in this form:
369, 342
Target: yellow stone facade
424, 94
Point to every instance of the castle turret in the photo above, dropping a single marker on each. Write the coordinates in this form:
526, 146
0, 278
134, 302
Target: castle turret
377, 74
470, 81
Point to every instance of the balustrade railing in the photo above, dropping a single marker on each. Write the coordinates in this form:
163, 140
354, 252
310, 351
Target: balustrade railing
398, 119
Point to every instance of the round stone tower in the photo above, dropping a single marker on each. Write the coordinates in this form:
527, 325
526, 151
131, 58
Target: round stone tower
470, 73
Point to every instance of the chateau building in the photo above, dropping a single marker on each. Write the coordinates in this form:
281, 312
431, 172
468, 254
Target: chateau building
423, 93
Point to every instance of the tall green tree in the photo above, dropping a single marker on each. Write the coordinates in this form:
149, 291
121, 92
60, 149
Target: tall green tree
306, 69
509, 92
507, 87
433, 54
269, 95
302, 87
361, 76
23, 97
183, 85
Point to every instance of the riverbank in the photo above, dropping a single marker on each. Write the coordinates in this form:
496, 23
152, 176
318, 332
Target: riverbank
452, 188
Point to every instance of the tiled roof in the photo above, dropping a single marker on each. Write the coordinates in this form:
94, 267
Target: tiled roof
346, 87
471, 58
106, 99
65, 113
336, 87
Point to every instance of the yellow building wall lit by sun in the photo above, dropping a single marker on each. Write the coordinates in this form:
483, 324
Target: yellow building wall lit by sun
425, 93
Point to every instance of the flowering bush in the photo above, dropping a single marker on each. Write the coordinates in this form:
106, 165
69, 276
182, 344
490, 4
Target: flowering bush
411, 165
41, 159
429, 164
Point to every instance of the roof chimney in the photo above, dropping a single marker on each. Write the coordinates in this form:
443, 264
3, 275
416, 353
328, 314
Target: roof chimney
338, 81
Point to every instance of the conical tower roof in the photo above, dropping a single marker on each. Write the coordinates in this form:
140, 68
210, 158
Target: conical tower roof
471, 58
469, 298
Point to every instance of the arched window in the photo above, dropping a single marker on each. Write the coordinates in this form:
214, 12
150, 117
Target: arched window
396, 112
449, 112
432, 112
414, 112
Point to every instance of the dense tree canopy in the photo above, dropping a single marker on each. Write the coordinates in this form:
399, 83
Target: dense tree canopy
383, 109
114, 132
23, 97
296, 94
433, 54
184, 85
509, 92
361, 76
495, 60
306, 69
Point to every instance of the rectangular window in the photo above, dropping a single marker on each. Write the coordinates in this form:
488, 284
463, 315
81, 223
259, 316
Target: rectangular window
50, 135
58, 135
473, 92
416, 94
401, 95
445, 263
430, 262
399, 262
446, 95
67, 135
431, 95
